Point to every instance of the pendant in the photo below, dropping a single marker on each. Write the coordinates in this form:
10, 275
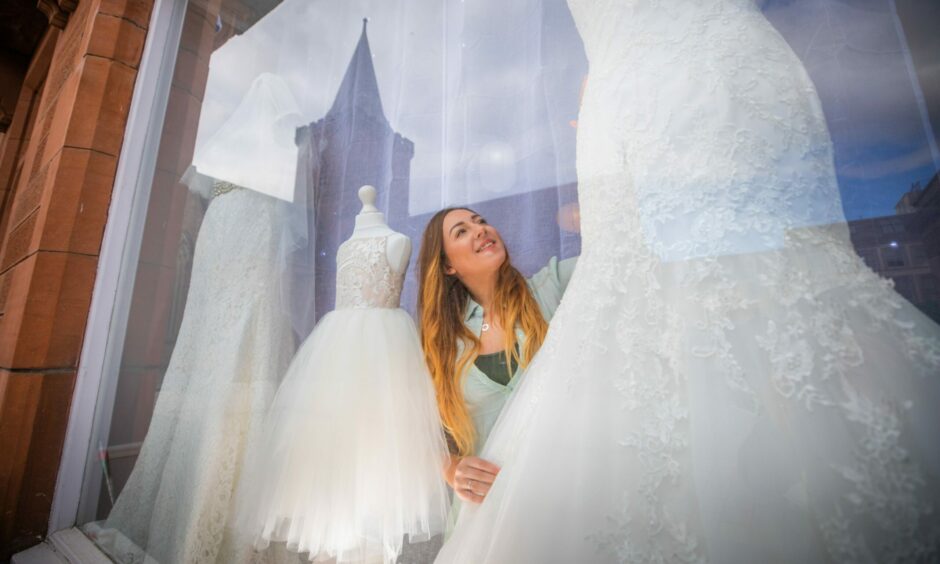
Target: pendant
485, 327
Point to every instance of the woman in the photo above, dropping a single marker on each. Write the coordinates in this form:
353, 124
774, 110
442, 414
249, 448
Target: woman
481, 324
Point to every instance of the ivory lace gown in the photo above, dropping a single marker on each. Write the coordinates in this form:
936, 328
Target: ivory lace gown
234, 343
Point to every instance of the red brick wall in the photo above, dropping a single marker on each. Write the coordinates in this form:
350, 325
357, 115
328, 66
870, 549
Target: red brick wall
57, 167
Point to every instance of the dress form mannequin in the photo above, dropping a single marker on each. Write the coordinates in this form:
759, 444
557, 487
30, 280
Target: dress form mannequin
370, 222
349, 464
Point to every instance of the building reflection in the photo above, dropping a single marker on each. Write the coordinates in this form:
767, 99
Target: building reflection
905, 247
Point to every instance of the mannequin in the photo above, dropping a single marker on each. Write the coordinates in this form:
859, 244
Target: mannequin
349, 462
370, 222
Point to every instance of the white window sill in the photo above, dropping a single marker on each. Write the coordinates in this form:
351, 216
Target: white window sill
68, 546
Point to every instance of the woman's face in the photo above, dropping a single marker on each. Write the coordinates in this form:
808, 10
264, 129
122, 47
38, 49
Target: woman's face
473, 246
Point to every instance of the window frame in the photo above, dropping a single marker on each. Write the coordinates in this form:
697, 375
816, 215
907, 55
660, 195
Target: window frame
79, 475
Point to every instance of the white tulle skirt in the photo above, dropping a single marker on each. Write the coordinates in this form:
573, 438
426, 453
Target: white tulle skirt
351, 459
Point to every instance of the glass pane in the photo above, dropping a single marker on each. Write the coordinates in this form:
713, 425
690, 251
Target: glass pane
279, 112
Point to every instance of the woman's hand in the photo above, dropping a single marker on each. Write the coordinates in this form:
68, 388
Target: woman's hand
472, 478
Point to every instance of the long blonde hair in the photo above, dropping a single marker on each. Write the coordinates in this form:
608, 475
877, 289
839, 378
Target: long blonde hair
442, 301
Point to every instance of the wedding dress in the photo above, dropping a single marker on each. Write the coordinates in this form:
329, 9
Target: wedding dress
352, 452
234, 343
725, 380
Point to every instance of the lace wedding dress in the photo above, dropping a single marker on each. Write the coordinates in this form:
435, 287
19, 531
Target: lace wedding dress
725, 380
234, 344
352, 451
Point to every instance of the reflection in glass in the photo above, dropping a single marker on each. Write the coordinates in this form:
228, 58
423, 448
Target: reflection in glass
470, 103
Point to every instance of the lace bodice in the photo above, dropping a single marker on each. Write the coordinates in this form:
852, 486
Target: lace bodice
364, 278
722, 158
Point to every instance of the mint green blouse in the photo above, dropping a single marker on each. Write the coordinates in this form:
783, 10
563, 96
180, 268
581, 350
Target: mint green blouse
484, 397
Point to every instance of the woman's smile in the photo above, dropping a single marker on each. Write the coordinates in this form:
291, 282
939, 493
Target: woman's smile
487, 244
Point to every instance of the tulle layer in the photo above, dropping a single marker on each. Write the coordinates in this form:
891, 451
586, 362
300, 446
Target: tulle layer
353, 450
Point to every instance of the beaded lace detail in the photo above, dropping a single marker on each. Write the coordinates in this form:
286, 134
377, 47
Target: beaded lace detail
364, 278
